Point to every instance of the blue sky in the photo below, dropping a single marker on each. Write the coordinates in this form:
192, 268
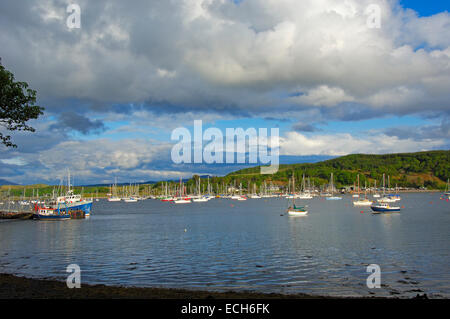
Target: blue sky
115, 89
426, 8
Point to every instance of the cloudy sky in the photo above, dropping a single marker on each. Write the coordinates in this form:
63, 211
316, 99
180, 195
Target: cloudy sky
114, 89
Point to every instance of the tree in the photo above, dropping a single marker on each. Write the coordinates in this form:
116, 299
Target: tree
16, 106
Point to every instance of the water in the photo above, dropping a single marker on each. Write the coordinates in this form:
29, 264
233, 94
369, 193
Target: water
243, 245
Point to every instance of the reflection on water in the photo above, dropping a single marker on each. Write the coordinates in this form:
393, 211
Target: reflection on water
223, 244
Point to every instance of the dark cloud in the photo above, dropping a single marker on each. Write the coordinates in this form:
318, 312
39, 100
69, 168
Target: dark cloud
304, 127
79, 123
421, 133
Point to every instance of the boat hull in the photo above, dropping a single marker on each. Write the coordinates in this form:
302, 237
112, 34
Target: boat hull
385, 209
297, 213
51, 217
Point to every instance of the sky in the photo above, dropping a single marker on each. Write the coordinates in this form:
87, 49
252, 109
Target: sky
318, 70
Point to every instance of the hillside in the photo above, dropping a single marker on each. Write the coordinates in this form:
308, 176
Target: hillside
430, 169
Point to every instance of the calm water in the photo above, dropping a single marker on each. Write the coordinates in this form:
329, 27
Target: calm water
246, 245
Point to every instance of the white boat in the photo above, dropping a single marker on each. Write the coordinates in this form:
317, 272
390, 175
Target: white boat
297, 212
332, 197
293, 210
387, 200
114, 199
304, 196
363, 202
130, 200
182, 201
200, 200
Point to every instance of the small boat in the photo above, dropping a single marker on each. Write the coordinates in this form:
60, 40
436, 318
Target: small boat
332, 197
387, 199
182, 201
45, 213
200, 200
304, 196
114, 199
294, 210
130, 200
363, 202
297, 211
384, 208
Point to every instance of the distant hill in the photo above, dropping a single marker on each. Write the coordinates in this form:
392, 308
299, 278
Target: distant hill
429, 169
5, 182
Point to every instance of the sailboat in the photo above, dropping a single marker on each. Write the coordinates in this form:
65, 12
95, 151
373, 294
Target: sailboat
447, 189
304, 194
365, 201
386, 199
332, 197
114, 197
182, 199
294, 210
199, 198
376, 195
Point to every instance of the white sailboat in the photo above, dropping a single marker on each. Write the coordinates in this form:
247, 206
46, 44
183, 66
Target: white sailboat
294, 210
386, 199
199, 198
365, 201
332, 197
113, 197
182, 199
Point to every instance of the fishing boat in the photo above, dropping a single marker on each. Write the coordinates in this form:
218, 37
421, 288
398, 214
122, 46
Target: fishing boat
61, 207
384, 208
48, 213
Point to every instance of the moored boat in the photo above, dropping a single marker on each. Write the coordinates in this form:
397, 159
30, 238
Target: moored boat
384, 208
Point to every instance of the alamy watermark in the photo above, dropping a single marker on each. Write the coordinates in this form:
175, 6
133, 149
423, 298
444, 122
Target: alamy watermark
374, 279
251, 146
373, 11
73, 21
74, 279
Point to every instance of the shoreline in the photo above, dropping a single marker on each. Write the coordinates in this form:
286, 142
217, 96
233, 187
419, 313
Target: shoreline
17, 287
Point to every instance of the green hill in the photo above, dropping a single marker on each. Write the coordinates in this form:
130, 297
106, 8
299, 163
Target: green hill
430, 169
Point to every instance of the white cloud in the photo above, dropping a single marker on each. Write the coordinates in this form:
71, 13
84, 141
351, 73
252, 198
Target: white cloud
216, 55
339, 144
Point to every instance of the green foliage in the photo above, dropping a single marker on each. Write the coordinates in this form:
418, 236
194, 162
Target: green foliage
433, 164
16, 106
